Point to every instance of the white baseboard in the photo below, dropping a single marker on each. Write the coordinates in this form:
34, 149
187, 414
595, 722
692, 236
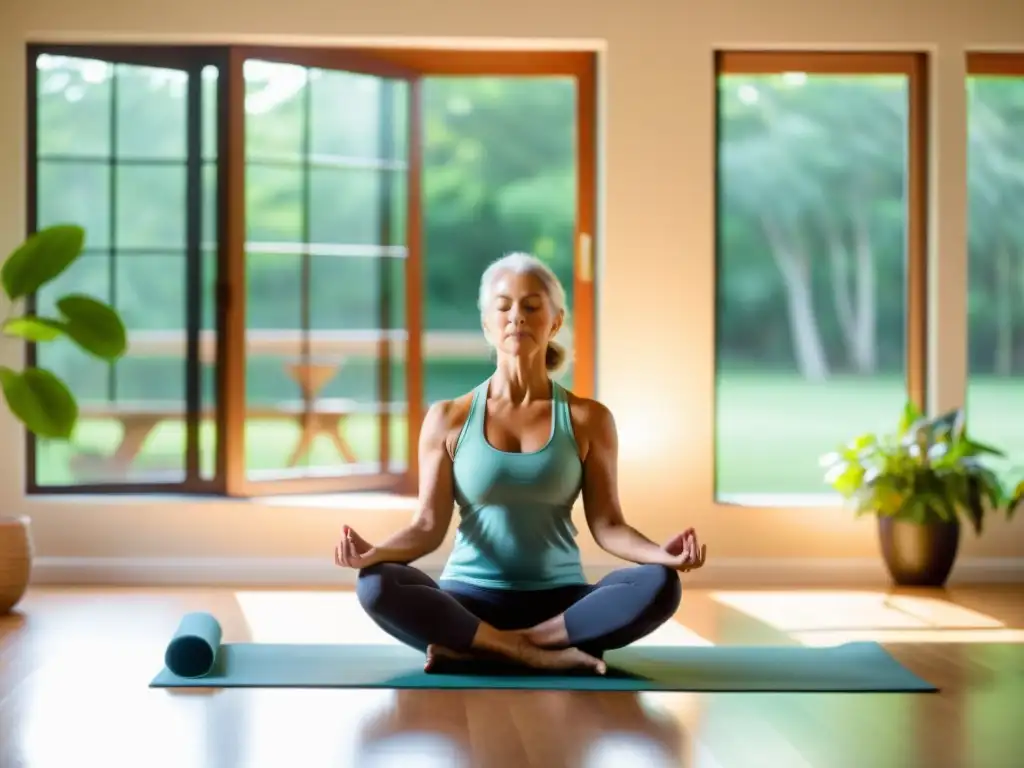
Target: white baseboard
292, 572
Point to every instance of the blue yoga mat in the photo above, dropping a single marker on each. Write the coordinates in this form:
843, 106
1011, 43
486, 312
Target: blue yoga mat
196, 657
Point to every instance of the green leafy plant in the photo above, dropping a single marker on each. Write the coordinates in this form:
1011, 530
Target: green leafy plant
927, 470
37, 397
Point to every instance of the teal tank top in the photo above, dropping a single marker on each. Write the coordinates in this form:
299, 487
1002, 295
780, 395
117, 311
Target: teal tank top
515, 509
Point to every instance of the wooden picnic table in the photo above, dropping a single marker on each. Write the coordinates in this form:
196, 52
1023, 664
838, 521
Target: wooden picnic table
311, 360
138, 420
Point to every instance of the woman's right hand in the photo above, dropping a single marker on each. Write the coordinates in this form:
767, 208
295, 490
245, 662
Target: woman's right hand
353, 551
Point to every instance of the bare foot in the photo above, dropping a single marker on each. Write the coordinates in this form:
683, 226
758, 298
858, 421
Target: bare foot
516, 646
525, 653
561, 659
548, 634
436, 653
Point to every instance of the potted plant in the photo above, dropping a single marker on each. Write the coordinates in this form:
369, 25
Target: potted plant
37, 397
921, 481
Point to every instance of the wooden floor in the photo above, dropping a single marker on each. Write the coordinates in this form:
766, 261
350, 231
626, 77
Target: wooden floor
75, 663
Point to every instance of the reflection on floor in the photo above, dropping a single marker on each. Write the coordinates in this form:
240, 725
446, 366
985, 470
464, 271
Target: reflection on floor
75, 663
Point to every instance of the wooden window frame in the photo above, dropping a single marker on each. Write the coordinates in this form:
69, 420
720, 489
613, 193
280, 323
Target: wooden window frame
411, 64
190, 60
914, 65
995, 64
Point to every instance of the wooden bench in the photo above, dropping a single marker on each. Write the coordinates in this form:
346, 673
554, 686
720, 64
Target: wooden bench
138, 420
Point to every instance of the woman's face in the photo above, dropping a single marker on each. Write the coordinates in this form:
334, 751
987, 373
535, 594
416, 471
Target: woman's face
520, 320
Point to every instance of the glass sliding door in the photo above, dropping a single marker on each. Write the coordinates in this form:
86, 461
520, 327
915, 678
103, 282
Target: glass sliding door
116, 141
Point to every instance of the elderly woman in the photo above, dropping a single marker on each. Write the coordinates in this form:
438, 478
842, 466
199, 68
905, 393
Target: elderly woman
514, 454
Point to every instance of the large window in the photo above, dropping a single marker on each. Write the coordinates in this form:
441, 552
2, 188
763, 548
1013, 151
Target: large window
295, 239
820, 260
995, 385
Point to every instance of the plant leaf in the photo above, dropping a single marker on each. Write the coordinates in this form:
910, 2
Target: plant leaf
974, 448
33, 328
40, 258
973, 499
94, 326
1017, 498
911, 415
41, 401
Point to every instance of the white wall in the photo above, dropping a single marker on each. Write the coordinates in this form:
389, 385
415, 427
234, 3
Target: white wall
658, 220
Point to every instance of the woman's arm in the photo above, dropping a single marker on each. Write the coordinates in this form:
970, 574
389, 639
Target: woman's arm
601, 494
430, 524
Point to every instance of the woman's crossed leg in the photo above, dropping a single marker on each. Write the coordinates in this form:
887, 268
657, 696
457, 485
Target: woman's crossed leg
560, 628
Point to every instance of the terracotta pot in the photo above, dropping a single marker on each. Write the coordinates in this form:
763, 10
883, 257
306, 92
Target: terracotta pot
15, 560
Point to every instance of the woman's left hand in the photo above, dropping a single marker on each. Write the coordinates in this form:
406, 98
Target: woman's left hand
685, 552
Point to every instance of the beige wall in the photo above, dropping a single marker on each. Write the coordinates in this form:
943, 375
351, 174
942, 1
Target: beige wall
657, 215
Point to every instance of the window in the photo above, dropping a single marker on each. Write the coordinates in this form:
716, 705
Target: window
820, 260
295, 238
995, 384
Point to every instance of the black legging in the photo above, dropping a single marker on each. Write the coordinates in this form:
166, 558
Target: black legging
624, 606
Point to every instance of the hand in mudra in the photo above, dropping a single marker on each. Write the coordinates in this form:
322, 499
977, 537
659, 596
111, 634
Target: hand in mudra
687, 554
353, 551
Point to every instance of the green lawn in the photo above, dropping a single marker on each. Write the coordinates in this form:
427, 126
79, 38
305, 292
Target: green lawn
772, 429
771, 432
268, 447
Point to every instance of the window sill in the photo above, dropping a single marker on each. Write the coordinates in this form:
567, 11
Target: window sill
364, 501
372, 501
781, 500
335, 501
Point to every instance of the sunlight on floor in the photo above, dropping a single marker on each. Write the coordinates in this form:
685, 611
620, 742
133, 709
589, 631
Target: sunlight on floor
835, 617
337, 617
308, 617
60, 696
317, 728
612, 749
673, 634
414, 749
691, 711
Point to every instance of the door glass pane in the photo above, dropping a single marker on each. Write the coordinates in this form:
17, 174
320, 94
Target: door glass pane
325, 261
811, 277
499, 173
112, 153
209, 243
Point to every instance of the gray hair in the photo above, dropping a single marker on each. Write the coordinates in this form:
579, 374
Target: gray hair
525, 264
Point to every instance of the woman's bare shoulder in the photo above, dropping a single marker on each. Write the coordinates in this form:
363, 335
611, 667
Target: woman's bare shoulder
445, 419
592, 421
587, 410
